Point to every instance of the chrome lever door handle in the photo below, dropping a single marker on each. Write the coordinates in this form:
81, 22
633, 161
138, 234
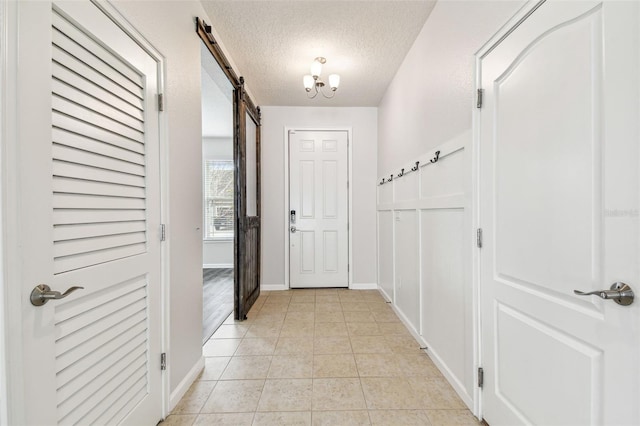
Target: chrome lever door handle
604, 294
293, 230
42, 293
619, 292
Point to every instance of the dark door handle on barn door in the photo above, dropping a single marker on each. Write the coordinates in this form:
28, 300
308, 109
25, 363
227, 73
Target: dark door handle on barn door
42, 293
620, 293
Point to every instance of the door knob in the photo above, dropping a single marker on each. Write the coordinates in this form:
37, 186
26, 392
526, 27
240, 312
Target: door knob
42, 293
620, 293
293, 229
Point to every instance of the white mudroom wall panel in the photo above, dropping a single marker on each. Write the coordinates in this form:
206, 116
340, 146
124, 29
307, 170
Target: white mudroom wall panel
385, 251
406, 270
447, 179
446, 292
425, 213
406, 189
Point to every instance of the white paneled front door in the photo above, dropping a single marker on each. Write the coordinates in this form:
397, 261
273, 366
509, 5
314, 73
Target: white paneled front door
559, 208
318, 212
89, 185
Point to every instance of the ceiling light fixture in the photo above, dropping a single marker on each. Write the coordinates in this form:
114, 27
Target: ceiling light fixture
313, 84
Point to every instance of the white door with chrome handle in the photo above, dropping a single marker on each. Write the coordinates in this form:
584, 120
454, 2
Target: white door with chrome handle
318, 212
559, 208
89, 208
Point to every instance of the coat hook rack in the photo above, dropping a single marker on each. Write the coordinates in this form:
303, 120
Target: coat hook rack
413, 169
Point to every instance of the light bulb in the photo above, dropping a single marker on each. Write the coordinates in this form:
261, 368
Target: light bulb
316, 68
307, 80
334, 81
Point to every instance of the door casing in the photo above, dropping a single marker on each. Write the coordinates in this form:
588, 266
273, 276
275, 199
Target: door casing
287, 129
11, 405
497, 38
13, 402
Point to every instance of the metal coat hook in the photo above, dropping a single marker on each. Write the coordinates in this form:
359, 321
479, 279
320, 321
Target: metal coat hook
383, 181
415, 168
401, 173
435, 159
390, 178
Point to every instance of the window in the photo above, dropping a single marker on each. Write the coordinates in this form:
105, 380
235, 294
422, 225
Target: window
218, 199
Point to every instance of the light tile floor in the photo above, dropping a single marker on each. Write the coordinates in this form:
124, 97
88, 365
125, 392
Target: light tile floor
318, 357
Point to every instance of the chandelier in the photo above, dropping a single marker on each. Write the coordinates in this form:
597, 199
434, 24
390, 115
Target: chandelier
313, 84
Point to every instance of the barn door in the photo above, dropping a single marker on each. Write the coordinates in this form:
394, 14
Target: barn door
559, 209
246, 157
247, 237
89, 211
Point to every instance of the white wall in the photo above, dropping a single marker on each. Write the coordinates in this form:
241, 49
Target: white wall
217, 253
424, 220
217, 148
363, 122
169, 27
429, 100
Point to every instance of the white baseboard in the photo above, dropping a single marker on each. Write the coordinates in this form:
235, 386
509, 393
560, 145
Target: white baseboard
273, 287
353, 286
363, 286
185, 384
385, 296
217, 266
456, 384
408, 324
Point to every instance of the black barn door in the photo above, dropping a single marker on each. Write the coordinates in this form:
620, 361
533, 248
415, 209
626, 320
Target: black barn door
247, 241
246, 157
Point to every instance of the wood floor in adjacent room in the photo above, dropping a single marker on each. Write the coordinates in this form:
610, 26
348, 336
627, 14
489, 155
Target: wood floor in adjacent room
217, 299
318, 357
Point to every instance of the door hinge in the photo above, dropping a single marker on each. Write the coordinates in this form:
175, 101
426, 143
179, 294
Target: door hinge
479, 237
480, 377
163, 232
163, 361
160, 102
479, 98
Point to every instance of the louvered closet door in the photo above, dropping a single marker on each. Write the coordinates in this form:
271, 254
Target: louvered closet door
91, 209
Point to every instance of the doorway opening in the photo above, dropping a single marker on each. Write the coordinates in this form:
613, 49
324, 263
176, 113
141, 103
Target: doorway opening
218, 191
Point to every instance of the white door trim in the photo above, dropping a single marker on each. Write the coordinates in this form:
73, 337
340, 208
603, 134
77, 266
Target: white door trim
523, 13
349, 130
11, 390
13, 402
163, 132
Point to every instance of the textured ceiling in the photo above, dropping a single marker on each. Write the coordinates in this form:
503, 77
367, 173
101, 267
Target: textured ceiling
274, 42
